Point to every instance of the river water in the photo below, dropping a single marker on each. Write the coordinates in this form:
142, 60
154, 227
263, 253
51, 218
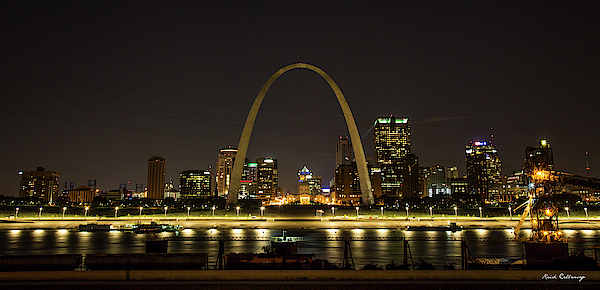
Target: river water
437, 252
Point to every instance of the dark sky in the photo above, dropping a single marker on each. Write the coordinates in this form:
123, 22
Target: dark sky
93, 89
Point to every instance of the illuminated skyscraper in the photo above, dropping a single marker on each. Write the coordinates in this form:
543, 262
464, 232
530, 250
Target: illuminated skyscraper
196, 184
156, 177
248, 182
435, 181
308, 183
343, 152
266, 178
483, 167
224, 167
392, 139
399, 168
347, 185
40, 184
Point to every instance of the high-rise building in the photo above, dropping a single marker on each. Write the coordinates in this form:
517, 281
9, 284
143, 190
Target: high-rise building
82, 195
224, 168
392, 139
248, 182
304, 175
266, 178
399, 168
40, 184
452, 172
483, 167
435, 181
343, 152
308, 183
196, 184
156, 177
347, 185
170, 190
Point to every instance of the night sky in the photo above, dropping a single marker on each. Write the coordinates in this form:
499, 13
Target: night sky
94, 89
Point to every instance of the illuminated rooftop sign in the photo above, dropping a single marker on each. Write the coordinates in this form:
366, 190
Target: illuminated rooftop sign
252, 164
389, 120
480, 143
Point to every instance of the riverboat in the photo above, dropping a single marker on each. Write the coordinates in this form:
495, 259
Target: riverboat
452, 227
92, 227
153, 227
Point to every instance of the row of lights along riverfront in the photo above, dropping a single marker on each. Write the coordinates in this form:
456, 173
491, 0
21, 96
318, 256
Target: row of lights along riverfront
262, 210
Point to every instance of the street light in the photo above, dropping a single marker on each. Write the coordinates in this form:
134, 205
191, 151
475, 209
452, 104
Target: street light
406, 212
166, 207
85, 213
510, 212
357, 212
213, 208
40, 215
64, 209
141, 208
381, 211
262, 210
585, 208
16, 213
333, 212
116, 211
567, 209
456, 213
480, 214
431, 211
237, 212
189, 212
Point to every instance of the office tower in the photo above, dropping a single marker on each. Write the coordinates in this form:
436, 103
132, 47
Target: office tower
248, 182
40, 184
156, 177
266, 178
483, 167
82, 195
224, 168
196, 184
170, 190
435, 181
392, 139
304, 175
452, 172
347, 185
308, 183
399, 168
343, 152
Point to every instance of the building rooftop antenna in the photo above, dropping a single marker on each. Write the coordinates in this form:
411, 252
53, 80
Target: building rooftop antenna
587, 163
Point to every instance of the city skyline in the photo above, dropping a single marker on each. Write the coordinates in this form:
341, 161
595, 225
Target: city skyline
94, 98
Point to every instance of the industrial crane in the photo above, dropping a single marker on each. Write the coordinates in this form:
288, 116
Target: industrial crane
542, 204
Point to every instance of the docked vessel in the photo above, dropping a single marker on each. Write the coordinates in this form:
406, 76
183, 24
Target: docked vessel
92, 227
452, 227
153, 227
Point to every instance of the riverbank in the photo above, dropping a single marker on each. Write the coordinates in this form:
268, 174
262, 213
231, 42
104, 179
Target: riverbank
306, 275
292, 224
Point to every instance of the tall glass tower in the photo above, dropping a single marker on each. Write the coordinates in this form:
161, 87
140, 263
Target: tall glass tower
224, 168
399, 168
156, 177
483, 167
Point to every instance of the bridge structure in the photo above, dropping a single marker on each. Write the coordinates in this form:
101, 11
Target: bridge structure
361, 161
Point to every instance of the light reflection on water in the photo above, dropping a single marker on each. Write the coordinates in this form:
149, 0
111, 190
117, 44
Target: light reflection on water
436, 252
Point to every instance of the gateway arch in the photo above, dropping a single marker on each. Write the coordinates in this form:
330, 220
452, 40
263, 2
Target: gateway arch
361, 162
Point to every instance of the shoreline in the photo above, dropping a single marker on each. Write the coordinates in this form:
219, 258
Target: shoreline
293, 223
332, 276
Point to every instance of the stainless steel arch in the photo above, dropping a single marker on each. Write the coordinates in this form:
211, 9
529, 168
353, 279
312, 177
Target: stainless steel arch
361, 162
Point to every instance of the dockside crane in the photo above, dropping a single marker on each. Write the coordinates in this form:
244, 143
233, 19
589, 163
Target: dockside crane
542, 205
